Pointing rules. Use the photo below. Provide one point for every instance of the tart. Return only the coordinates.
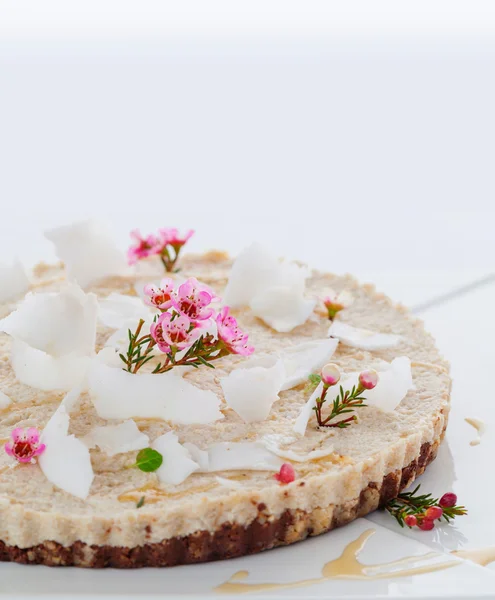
(132, 518)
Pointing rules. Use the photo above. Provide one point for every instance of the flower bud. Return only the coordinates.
(368, 379)
(330, 374)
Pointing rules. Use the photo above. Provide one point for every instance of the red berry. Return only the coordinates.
(411, 521)
(426, 524)
(434, 512)
(447, 500)
(286, 473)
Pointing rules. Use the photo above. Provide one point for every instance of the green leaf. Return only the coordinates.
(314, 379)
(140, 503)
(148, 460)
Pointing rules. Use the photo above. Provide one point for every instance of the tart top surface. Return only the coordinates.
(376, 444)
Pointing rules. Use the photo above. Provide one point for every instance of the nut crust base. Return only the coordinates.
(231, 540)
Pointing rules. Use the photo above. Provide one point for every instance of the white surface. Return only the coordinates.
(355, 136)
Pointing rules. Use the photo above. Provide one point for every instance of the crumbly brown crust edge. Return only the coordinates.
(231, 540)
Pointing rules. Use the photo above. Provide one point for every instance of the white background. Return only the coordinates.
(357, 135)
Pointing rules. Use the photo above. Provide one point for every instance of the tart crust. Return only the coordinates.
(196, 521)
(231, 540)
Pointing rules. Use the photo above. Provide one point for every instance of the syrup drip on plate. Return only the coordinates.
(480, 429)
(347, 566)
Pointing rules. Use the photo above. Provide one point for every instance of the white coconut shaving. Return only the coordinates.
(14, 281)
(88, 252)
(65, 461)
(117, 394)
(249, 456)
(272, 443)
(44, 372)
(58, 323)
(4, 400)
(252, 392)
(115, 439)
(363, 339)
(119, 310)
(199, 456)
(228, 483)
(283, 308)
(177, 463)
(394, 381)
(299, 360)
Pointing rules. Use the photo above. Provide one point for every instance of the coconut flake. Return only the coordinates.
(4, 400)
(307, 410)
(228, 483)
(248, 456)
(13, 281)
(65, 461)
(393, 385)
(283, 307)
(88, 252)
(118, 310)
(117, 394)
(115, 439)
(271, 443)
(44, 372)
(363, 339)
(251, 392)
(177, 462)
(299, 360)
(199, 456)
(56, 323)
(256, 269)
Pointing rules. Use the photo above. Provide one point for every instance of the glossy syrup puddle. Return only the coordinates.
(480, 429)
(347, 566)
(482, 556)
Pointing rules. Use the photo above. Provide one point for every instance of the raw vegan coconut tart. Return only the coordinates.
(164, 409)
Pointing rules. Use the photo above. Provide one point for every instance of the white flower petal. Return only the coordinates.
(13, 281)
(271, 443)
(4, 400)
(56, 323)
(44, 372)
(282, 308)
(363, 339)
(177, 462)
(118, 310)
(114, 439)
(117, 394)
(88, 252)
(393, 385)
(251, 392)
(307, 410)
(249, 456)
(66, 461)
(255, 269)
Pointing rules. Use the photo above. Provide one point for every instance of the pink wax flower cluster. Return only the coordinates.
(167, 244)
(189, 331)
(24, 444)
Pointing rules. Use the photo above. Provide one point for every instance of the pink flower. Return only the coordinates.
(171, 236)
(334, 302)
(25, 444)
(174, 333)
(160, 297)
(143, 247)
(330, 374)
(368, 379)
(231, 335)
(192, 300)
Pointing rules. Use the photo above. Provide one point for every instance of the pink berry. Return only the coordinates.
(447, 500)
(426, 524)
(286, 473)
(411, 521)
(368, 379)
(434, 512)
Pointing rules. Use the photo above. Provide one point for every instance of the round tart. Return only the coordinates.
(132, 519)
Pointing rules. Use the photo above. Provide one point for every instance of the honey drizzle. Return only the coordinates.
(152, 493)
(347, 566)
